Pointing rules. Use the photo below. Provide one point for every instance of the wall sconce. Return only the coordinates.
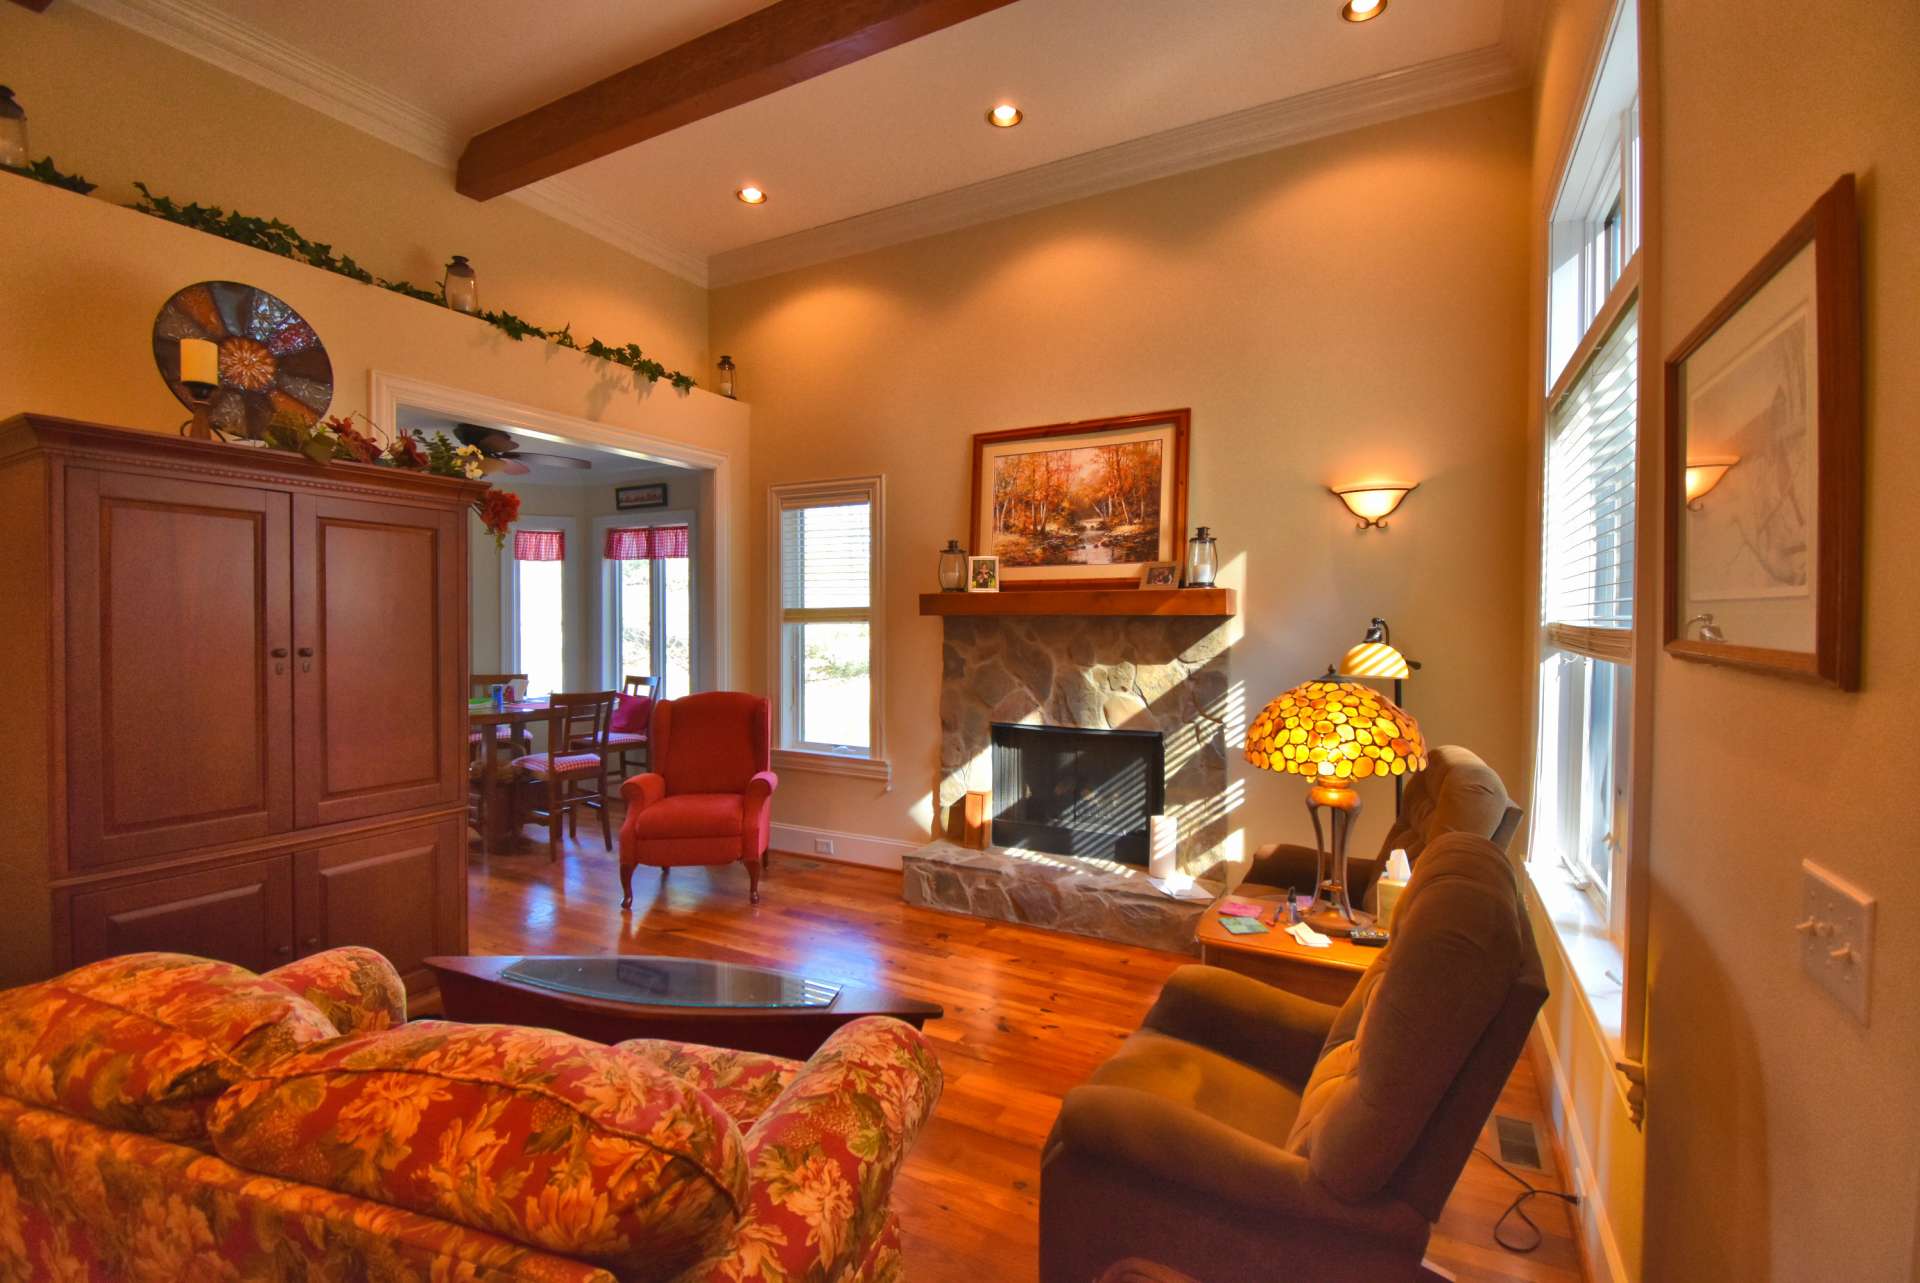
(1374, 504)
(1702, 477)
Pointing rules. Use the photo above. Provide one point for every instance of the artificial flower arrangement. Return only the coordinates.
(357, 439)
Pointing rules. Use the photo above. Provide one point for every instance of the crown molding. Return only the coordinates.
(206, 33)
(1442, 82)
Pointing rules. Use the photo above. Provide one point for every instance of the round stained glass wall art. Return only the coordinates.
(271, 361)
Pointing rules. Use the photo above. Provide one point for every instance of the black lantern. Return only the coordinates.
(953, 567)
(729, 380)
(13, 131)
(460, 287)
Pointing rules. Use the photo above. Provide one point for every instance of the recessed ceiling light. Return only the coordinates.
(1362, 10)
(751, 196)
(1005, 116)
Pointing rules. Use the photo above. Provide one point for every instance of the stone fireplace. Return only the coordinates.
(1164, 676)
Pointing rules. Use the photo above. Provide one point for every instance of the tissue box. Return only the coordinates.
(1388, 889)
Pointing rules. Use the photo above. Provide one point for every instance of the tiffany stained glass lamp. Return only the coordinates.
(1334, 734)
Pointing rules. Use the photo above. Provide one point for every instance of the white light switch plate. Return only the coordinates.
(1836, 936)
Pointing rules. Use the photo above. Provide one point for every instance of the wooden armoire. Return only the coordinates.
(234, 694)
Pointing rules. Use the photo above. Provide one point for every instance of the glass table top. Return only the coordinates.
(672, 982)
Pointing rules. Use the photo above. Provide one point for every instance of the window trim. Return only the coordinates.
(607, 595)
(510, 589)
(873, 763)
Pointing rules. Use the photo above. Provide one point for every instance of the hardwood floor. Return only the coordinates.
(1029, 1014)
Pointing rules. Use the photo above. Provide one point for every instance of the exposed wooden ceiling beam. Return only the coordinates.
(783, 44)
(38, 6)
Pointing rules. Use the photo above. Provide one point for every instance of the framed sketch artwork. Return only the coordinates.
(1763, 466)
(1091, 503)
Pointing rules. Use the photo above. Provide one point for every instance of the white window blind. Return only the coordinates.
(1587, 568)
(826, 554)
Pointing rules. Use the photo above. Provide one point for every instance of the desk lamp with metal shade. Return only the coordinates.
(1334, 734)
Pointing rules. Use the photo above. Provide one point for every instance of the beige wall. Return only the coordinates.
(1782, 1135)
(91, 276)
(1346, 308)
(117, 106)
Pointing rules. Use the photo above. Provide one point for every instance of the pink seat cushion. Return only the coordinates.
(631, 713)
(690, 815)
(564, 764)
(616, 739)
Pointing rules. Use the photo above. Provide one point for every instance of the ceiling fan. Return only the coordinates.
(504, 455)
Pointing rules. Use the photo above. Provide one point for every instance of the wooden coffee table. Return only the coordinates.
(1324, 975)
(475, 991)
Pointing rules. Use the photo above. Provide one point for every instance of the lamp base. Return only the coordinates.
(1330, 921)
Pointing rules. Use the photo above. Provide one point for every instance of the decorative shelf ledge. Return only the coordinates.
(1215, 602)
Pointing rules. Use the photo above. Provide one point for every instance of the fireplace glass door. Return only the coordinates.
(1079, 792)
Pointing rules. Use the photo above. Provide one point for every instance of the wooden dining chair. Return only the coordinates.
(630, 746)
(574, 767)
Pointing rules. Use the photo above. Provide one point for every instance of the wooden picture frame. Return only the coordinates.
(1160, 574)
(983, 574)
(646, 494)
(1741, 545)
(1113, 552)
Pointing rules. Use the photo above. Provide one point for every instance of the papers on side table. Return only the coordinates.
(1179, 886)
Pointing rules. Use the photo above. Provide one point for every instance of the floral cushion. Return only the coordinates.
(743, 1083)
(546, 1139)
(356, 988)
(82, 1204)
(146, 1042)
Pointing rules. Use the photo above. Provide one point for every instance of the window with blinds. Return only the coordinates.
(1587, 549)
(826, 554)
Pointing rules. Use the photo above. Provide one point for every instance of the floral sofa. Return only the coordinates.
(172, 1119)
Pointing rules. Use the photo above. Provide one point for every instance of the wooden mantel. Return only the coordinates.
(1215, 602)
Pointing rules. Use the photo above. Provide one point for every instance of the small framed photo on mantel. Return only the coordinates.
(652, 494)
(983, 574)
(1160, 574)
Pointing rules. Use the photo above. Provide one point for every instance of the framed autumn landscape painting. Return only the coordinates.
(1085, 504)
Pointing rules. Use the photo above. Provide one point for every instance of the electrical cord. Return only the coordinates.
(1519, 1206)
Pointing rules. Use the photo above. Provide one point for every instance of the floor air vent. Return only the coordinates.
(1519, 1142)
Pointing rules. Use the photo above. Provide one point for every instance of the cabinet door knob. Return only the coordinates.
(278, 652)
(282, 950)
(306, 652)
(311, 942)
(306, 659)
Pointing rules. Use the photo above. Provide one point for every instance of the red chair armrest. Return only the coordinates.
(642, 791)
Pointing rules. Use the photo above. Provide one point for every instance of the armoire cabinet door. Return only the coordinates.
(402, 893)
(241, 913)
(179, 687)
(379, 602)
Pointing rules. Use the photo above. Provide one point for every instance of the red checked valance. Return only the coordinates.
(644, 543)
(540, 545)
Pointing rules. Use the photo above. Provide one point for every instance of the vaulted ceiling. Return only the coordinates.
(882, 150)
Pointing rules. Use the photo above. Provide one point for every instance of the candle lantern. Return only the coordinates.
(1203, 559)
(729, 382)
(460, 287)
(13, 131)
(953, 567)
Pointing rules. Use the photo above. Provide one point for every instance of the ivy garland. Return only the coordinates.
(43, 171)
(276, 237)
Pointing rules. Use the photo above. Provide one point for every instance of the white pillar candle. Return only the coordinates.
(199, 361)
(1163, 839)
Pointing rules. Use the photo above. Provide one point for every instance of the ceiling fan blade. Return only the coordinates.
(491, 441)
(539, 460)
(496, 465)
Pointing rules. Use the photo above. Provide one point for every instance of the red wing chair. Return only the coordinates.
(709, 797)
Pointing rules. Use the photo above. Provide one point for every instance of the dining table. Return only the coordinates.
(501, 833)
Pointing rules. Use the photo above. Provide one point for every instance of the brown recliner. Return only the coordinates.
(1457, 793)
(1246, 1134)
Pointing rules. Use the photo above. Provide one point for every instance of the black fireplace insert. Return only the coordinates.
(1071, 791)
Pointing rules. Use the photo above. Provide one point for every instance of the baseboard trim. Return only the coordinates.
(1600, 1258)
(848, 848)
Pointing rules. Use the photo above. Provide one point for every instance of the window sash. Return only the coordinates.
(838, 584)
(1588, 554)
